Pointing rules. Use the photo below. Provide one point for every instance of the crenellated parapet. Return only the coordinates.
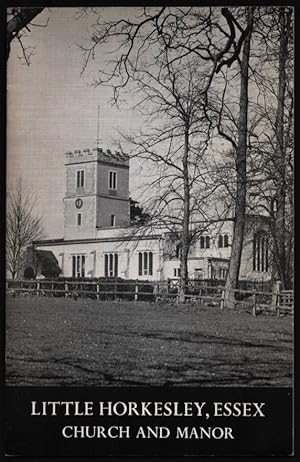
(96, 154)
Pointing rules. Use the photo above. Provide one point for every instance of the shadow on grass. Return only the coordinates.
(60, 344)
(198, 338)
(240, 369)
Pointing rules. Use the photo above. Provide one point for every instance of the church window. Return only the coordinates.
(111, 265)
(78, 266)
(79, 219)
(204, 242)
(112, 180)
(177, 272)
(226, 242)
(178, 250)
(261, 252)
(223, 273)
(113, 220)
(145, 263)
(223, 240)
(80, 179)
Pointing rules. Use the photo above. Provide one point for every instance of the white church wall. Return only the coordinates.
(94, 253)
(147, 254)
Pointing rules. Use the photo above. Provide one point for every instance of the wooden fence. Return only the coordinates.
(257, 301)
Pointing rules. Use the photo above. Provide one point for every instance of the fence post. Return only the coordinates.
(254, 304)
(38, 287)
(66, 289)
(277, 304)
(222, 299)
(179, 290)
(97, 290)
(155, 291)
(200, 294)
(115, 289)
(136, 291)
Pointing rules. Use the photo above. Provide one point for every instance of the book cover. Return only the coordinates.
(149, 231)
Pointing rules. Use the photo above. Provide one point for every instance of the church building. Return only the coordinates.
(99, 240)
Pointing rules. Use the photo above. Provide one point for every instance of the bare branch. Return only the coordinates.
(20, 20)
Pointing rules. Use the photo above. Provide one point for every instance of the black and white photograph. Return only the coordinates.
(150, 222)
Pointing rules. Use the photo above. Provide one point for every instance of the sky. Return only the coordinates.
(52, 109)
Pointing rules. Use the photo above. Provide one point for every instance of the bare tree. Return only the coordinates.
(268, 184)
(22, 227)
(280, 154)
(272, 150)
(175, 144)
(241, 167)
(19, 21)
(213, 38)
(211, 35)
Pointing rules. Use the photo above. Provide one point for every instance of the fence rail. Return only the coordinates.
(258, 301)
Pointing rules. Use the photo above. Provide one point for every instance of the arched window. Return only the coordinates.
(178, 250)
(226, 242)
(220, 241)
(261, 252)
(204, 242)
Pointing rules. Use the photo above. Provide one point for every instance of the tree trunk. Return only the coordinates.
(18, 22)
(185, 241)
(280, 256)
(241, 181)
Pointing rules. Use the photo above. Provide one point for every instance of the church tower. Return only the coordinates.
(97, 192)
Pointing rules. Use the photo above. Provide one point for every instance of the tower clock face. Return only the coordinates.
(78, 203)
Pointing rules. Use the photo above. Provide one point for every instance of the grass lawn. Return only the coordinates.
(57, 341)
